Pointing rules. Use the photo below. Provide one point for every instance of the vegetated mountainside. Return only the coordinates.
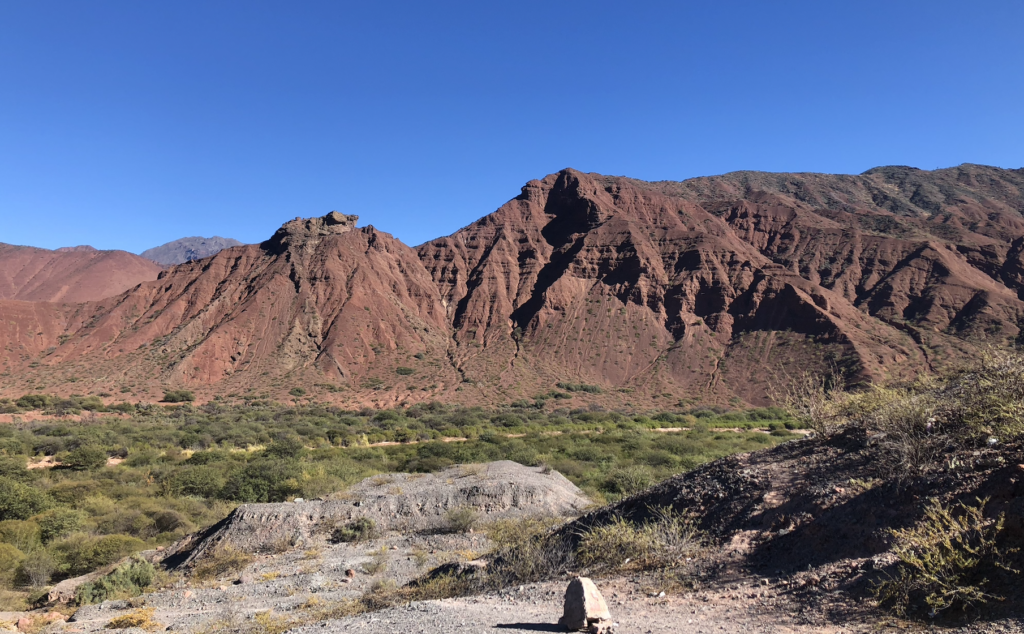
(69, 274)
(188, 249)
(705, 289)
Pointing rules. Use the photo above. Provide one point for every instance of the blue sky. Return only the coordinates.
(129, 124)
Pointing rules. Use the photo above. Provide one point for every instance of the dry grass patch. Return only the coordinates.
(220, 562)
(142, 619)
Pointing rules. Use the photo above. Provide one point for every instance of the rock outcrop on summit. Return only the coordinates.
(706, 289)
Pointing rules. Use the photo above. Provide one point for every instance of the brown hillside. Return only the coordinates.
(319, 302)
(70, 274)
(656, 292)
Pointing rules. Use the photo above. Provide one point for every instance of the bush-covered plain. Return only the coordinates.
(145, 475)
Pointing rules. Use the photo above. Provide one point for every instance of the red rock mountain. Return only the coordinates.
(69, 274)
(663, 292)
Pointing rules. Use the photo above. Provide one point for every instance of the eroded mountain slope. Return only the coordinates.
(74, 274)
(708, 289)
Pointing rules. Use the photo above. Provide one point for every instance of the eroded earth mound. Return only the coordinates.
(410, 504)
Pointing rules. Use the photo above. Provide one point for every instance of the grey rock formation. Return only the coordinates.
(188, 249)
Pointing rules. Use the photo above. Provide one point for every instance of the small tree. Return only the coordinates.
(37, 568)
(85, 457)
(58, 522)
(19, 501)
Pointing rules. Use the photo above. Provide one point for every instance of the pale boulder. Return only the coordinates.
(584, 605)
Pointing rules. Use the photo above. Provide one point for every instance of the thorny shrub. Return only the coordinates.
(358, 530)
(460, 520)
(943, 559)
(378, 561)
(914, 424)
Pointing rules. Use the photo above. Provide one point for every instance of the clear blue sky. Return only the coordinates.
(129, 124)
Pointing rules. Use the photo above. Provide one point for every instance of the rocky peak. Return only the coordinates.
(307, 232)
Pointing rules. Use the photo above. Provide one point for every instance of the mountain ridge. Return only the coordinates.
(69, 274)
(652, 291)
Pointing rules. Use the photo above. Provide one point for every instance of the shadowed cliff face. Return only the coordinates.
(704, 289)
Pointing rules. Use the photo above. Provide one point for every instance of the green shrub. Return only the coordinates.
(85, 457)
(19, 501)
(404, 371)
(92, 404)
(201, 481)
(579, 387)
(943, 559)
(79, 553)
(629, 480)
(58, 522)
(263, 481)
(35, 401)
(297, 392)
(127, 580)
(178, 396)
(10, 560)
(22, 534)
(14, 467)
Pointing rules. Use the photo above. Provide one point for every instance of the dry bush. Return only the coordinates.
(358, 530)
(378, 562)
(913, 425)
(943, 559)
(383, 594)
(460, 520)
(269, 623)
(812, 400)
(421, 557)
(985, 398)
(220, 562)
(142, 619)
(666, 540)
(526, 549)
